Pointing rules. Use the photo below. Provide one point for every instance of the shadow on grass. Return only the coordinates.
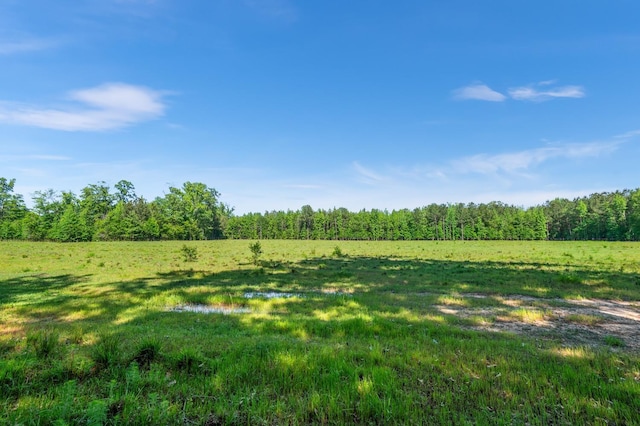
(311, 278)
(41, 287)
(360, 344)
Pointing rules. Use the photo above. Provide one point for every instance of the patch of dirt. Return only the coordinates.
(575, 322)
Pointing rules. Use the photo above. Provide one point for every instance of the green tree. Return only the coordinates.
(191, 212)
(12, 210)
(634, 215)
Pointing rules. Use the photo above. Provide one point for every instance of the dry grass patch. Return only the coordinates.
(584, 319)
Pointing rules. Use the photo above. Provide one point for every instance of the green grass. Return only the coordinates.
(87, 335)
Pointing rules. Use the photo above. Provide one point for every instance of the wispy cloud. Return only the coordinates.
(628, 135)
(537, 92)
(366, 175)
(534, 93)
(480, 92)
(522, 161)
(106, 107)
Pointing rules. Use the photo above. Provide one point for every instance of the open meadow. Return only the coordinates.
(320, 332)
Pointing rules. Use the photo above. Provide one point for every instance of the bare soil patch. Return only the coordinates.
(574, 322)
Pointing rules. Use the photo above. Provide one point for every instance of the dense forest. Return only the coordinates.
(195, 212)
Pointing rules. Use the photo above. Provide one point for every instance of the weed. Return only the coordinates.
(337, 252)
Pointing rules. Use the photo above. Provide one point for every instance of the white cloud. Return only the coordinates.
(519, 162)
(480, 92)
(106, 107)
(532, 93)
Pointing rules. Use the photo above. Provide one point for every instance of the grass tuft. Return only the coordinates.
(614, 341)
(187, 360)
(584, 319)
(569, 279)
(106, 353)
(148, 352)
(45, 343)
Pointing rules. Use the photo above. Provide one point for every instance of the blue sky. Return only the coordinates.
(358, 104)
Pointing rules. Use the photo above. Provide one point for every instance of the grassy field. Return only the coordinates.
(320, 332)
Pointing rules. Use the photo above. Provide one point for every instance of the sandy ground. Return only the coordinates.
(583, 322)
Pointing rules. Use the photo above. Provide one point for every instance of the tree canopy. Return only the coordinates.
(194, 212)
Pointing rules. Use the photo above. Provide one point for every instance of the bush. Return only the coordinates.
(256, 251)
(189, 253)
(337, 252)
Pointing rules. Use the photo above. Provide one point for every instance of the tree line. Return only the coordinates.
(194, 212)
(102, 213)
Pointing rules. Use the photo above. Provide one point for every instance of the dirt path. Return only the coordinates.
(583, 322)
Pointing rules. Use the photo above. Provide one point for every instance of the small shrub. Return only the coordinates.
(189, 253)
(256, 252)
(44, 342)
(337, 252)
